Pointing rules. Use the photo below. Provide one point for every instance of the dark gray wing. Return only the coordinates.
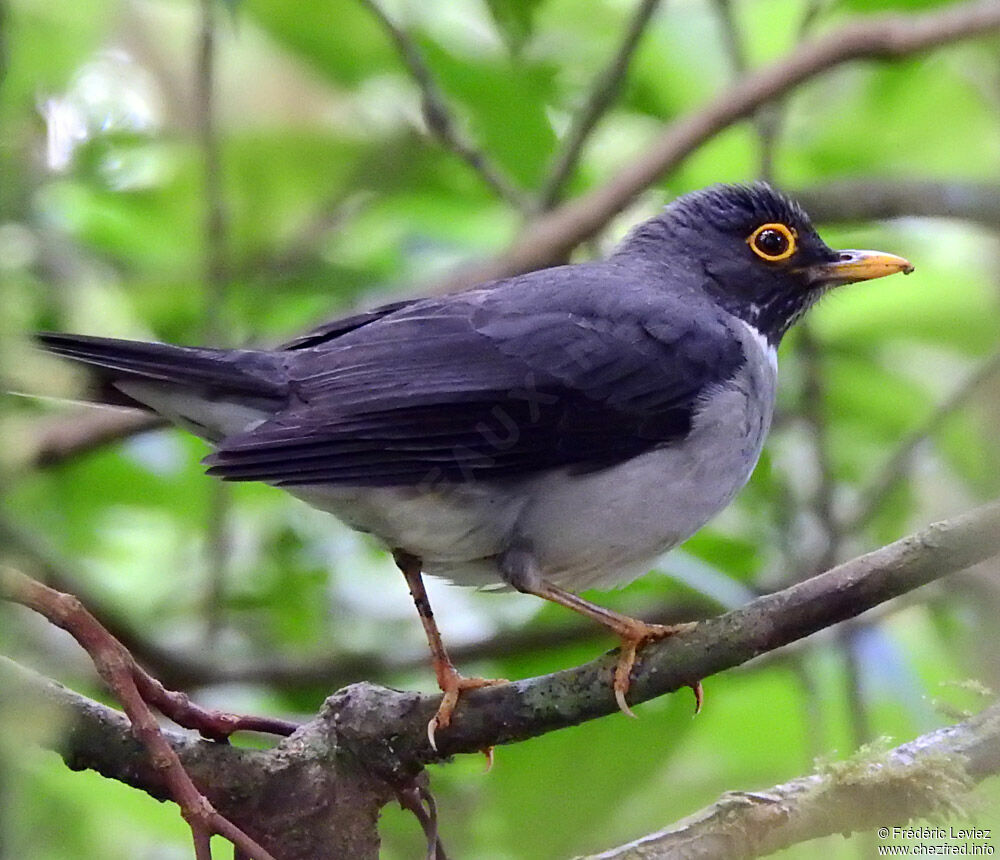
(330, 331)
(491, 384)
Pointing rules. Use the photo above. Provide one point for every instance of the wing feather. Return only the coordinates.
(491, 384)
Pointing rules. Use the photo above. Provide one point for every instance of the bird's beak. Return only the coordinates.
(853, 266)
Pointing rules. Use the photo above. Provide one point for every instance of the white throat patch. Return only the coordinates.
(767, 348)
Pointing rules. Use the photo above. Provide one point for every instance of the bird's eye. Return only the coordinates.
(772, 242)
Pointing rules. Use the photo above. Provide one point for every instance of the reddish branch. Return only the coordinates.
(136, 691)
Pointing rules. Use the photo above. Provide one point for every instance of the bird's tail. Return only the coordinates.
(213, 392)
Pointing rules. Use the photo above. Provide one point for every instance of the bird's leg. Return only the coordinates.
(633, 633)
(521, 572)
(448, 678)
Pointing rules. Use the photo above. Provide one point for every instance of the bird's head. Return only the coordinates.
(756, 251)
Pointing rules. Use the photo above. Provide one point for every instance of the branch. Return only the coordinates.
(922, 778)
(603, 93)
(549, 239)
(438, 115)
(330, 812)
(84, 430)
(135, 690)
(872, 199)
(366, 714)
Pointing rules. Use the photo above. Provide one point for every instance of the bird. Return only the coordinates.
(547, 433)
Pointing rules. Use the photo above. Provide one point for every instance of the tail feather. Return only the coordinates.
(227, 371)
(212, 392)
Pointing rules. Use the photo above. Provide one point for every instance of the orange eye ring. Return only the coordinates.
(773, 242)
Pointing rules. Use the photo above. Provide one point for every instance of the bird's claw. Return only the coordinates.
(699, 696)
(488, 752)
(452, 684)
(632, 641)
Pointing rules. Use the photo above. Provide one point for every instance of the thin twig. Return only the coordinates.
(215, 227)
(813, 410)
(56, 439)
(897, 468)
(3, 44)
(438, 115)
(874, 198)
(216, 277)
(125, 680)
(603, 93)
(216, 553)
(767, 118)
(302, 248)
(812, 707)
(731, 36)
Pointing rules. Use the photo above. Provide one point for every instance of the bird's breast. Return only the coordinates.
(606, 528)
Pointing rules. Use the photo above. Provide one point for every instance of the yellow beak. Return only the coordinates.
(853, 266)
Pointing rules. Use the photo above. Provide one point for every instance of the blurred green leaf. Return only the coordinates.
(340, 40)
(515, 19)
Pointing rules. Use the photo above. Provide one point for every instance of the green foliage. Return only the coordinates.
(515, 19)
(334, 196)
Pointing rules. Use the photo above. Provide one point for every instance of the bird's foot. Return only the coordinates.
(635, 637)
(452, 684)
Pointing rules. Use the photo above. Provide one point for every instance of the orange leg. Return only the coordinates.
(448, 678)
(633, 633)
(522, 574)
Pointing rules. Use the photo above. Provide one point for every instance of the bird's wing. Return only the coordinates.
(486, 385)
(330, 331)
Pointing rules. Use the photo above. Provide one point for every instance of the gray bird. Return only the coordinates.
(551, 432)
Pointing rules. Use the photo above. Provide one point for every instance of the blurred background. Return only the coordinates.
(233, 173)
